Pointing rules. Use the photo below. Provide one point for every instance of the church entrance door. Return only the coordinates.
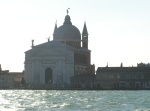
(48, 75)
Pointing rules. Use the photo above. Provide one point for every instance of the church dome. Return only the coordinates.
(67, 32)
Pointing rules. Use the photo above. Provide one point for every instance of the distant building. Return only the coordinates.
(6, 81)
(55, 63)
(18, 77)
(123, 77)
(143, 65)
(9, 80)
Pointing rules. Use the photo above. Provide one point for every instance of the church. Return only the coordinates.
(55, 62)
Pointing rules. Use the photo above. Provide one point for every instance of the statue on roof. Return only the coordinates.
(32, 42)
(68, 11)
(48, 39)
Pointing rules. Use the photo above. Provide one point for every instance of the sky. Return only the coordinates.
(119, 30)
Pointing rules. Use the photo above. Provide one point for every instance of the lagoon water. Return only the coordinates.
(73, 100)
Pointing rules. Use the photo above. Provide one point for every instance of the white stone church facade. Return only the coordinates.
(56, 61)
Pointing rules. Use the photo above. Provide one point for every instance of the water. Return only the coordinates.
(56, 100)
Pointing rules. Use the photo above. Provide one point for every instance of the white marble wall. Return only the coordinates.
(62, 66)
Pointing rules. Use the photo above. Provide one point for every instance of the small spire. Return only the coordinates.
(84, 32)
(107, 64)
(55, 27)
(121, 65)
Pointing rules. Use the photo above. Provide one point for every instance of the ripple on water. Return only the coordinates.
(52, 100)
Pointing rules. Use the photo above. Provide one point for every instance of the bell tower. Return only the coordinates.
(85, 37)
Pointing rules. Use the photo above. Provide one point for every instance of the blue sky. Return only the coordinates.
(119, 30)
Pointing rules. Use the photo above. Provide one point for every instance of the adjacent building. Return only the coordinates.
(123, 77)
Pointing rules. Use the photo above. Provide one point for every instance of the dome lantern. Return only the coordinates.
(67, 20)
